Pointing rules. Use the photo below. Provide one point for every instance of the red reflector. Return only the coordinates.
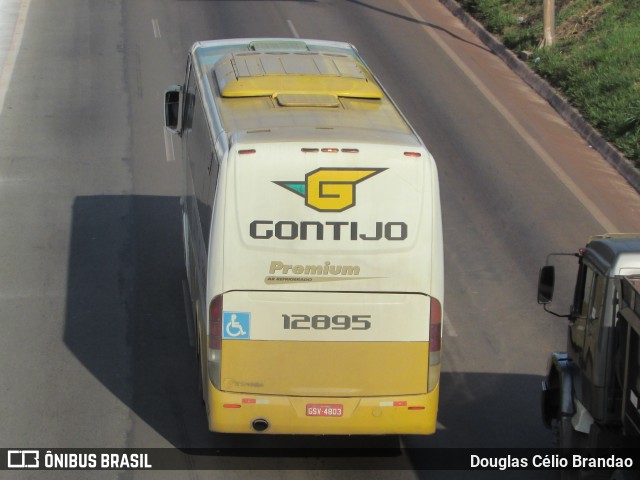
(232, 405)
(400, 404)
(330, 150)
(412, 154)
(310, 150)
(246, 152)
(248, 400)
(416, 407)
(350, 150)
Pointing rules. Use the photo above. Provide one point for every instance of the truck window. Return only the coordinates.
(597, 304)
(582, 302)
(586, 287)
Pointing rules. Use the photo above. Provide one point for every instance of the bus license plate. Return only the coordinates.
(315, 410)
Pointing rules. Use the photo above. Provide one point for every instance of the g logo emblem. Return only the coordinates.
(330, 189)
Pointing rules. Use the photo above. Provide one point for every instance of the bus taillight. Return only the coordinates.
(435, 326)
(214, 352)
(435, 344)
(215, 323)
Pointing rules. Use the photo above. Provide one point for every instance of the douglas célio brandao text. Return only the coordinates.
(549, 461)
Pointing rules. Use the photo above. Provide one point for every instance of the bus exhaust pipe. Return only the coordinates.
(260, 425)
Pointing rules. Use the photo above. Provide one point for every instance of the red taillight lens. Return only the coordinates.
(435, 326)
(435, 344)
(215, 323)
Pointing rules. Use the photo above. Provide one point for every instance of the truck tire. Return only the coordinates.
(566, 436)
(564, 439)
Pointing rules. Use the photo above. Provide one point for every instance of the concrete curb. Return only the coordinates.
(623, 165)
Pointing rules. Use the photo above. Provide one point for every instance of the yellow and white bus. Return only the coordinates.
(313, 242)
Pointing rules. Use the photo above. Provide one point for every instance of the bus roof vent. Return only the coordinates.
(278, 46)
(258, 74)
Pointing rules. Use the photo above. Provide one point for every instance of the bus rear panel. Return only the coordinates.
(313, 241)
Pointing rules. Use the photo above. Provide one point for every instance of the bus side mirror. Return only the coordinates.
(172, 109)
(546, 283)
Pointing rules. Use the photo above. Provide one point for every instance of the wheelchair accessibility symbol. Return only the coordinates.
(236, 325)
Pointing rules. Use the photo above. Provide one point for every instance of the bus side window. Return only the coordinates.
(214, 167)
(200, 153)
(189, 103)
(189, 98)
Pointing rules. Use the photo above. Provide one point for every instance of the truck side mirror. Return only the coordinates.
(546, 283)
(172, 108)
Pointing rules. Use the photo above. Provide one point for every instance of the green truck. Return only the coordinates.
(590, 396)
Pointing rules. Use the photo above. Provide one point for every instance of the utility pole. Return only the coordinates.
(549, 23)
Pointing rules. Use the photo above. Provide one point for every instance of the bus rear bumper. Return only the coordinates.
(272, 414)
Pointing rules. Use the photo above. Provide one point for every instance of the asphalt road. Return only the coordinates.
(94, 350)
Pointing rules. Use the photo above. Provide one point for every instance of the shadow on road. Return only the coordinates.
(125, 322)
(419, 22)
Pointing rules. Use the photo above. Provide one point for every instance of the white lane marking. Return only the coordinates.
(448, 327)
(156, 27)
(12, 54)
(168, 145)
(597, 214)
(293, 29)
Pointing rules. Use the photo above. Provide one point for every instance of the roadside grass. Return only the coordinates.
(595, 61)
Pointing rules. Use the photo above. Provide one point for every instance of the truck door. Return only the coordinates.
(585, 337)
(577, 327)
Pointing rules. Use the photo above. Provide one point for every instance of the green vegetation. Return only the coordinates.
(595, 61)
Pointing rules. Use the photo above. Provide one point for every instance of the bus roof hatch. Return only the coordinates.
(258, 74)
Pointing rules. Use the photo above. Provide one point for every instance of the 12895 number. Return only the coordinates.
(327, 322)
